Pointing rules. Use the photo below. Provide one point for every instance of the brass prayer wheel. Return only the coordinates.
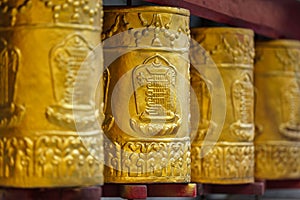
(146, 94)
(229, 158)
(44, 46)
(277, 112)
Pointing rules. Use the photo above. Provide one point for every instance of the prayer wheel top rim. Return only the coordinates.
(280, 43)
(161, 9)
(218, 30)
(277, 55)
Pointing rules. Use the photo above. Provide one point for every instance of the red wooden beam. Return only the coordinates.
(256, 188)
(172, 190)
(271, 18)
(133, 192)
(125, 191)
(90, 193)
(283, 184)
(149, 190)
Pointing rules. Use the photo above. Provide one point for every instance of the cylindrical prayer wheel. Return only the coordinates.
(146, 99)
(229, 157)
(44, 50)
(277, 112)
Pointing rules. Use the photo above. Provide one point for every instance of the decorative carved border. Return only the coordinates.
(277, 160)
(224, 162)
(51, 160)
(154, 27)
(26, 12)
(158, 160)
(277, 57)
(233, 46)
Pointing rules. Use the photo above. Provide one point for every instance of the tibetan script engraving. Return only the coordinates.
(291, 111)
(243, 104)
(155, 97)
(66, 60)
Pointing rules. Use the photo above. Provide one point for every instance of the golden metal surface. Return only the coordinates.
(231, 159)
(43, 44)
(147, 95)
(277, 109)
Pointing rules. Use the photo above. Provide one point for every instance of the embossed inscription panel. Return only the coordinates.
(67, 59)
(155, 98)
(10, 113)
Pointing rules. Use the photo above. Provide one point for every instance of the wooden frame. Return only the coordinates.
(271, 18)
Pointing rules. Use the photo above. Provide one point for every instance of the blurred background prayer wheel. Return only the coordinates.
(146, 94)
(277, 112)
(43, 45)
(228, 159)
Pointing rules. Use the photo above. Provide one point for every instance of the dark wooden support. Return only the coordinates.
(256, 188)
(271, 18)
(125, 191)
(283, 184)
(172, 190)
(149, 190)
(89, 193)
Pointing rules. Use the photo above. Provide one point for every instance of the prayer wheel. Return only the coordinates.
(146, 100)
(44, 53)
(227, 158)
(277, 113)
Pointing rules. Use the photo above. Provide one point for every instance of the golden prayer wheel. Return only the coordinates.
(146, 94)
(44, 46)
(277, 113)
(229, 157)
